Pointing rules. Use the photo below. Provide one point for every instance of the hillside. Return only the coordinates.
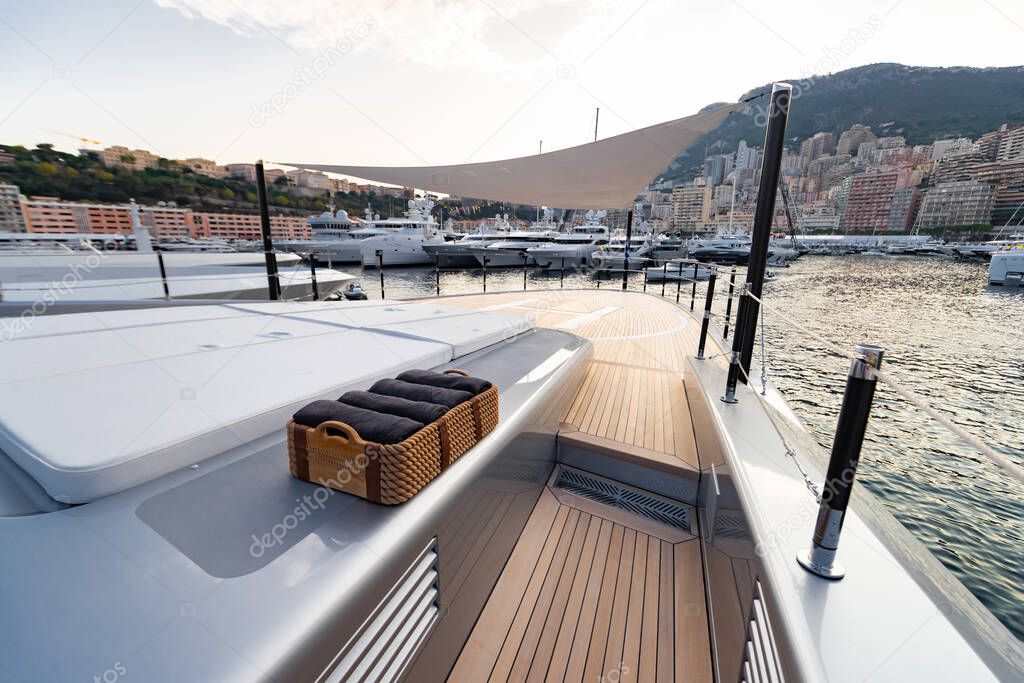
(920, 103)
(82, 177)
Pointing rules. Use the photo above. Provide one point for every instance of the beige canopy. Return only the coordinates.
(607, 174)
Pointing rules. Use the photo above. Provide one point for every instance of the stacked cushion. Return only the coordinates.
(420, 392)
(473, 385)
(371, 426)
(393, 405)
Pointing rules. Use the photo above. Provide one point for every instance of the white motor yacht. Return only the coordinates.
(612, 256)
(1007, 265)
(400, 241)
(330, 237)
(512, 251)
(574, 247)
(459, 253)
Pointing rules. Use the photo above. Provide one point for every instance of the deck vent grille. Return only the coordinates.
(730, 526)
(609, 492)
(388, 640)
(760, 654)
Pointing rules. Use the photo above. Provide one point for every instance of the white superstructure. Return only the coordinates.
(575, 246)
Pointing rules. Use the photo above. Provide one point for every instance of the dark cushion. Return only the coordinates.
(473, 385)
(420, 392)
(414, 410)
(371, 426)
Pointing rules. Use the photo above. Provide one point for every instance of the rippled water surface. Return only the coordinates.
(946, 335)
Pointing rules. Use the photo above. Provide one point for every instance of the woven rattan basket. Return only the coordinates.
(389, 473)
(484, 407)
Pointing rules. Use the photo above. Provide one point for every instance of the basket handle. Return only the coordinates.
(453, 371)
(350, 434)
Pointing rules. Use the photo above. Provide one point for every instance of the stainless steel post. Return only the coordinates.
(842, 465)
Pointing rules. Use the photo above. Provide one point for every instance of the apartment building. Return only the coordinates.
(690, 206)
(966, 202)
(247, 226)
(11, 217)
(122, 157)
(869, 202)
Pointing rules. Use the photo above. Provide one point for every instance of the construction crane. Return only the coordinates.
(88, 141)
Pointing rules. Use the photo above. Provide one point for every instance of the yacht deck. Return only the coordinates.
(632, 405)
(592, 592)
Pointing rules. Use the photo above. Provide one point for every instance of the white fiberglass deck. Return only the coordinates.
(94, 403)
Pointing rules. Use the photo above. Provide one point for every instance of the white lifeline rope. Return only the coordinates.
(911, 397)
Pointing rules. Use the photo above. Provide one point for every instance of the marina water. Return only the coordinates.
(947, 336)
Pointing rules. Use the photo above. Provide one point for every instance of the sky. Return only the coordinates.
(406, 82)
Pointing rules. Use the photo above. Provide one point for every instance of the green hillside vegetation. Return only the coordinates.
(44, 171)
(922, 104)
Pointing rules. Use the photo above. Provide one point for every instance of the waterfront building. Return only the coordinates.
(967, 202)
(903, 210)
(247, 226)
(311, 179)
(818, 145)
(122, 157)
(51, 215)
(165, 221)
(747, 158)
(850, 140)
(11, 217)
(869, 202)
(1008, 179)
(1011, 145)
(941, 148)
(690, 206)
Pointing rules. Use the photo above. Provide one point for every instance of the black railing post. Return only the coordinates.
(561, 276)
(273, 283)
(312, 277)
(525, 258)
(380, 269)
(706, 322)
(485, 274)
(437, 274)
(842, 466)
(693, 292)
(728, 302)
(163, 274)
(679, 282)
(734, 356)
(664, 277)
(645, 280)
(774, 146)
(625, 250)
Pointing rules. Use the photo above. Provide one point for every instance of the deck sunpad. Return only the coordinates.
(187, 383)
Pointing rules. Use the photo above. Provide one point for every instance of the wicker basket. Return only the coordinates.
(382, 473)
(389, 473)
(484, 407)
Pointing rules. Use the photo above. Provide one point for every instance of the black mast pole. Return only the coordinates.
(625, 250)
(273, 284)
(749, 308)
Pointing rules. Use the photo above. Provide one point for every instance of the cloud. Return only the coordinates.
(474, 34)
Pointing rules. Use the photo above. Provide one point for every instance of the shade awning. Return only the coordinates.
(606, 174)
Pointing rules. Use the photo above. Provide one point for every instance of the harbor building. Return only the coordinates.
(966, 202)
(690, 207)
(166, 221)
(869, 202)
(1011, 145)
(11, 217)
(247, 226)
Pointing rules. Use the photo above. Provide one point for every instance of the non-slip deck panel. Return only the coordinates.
(588, 595)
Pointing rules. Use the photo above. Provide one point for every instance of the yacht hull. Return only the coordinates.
(1007, 268)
